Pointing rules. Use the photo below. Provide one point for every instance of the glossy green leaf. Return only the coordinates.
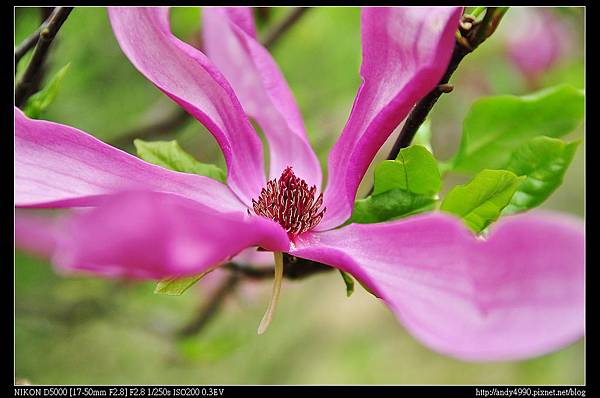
(414, 170)
(177, 286)
(543, 161)
(170, 155)
(349, 282)
(392, 204)
(480, 202)
(38, 102)
(496, 126)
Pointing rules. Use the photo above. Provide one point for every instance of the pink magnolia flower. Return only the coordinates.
(536, 39)
(516, 294)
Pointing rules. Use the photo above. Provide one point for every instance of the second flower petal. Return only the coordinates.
(230, 41)
(187, 76)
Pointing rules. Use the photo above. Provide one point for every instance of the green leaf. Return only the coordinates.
(349, 283)
(38, 102)
(177, 286)
(544, 162)
(480, 202)
(496, 126)
(392, 204)
(170, 155)
(414, 170)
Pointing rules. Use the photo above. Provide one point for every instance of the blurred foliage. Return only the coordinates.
(84, 330)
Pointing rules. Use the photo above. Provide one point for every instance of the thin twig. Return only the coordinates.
(32, 39)
(276, 32)
(210, 307)
(27, 45)
(294, 268)
(45, 13)
(475, 35)
(262, 15)
(24, 87)
(419, 113)
(179, 117)
(173, 121)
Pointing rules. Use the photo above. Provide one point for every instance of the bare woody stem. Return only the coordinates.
(276, 32)
(32, 39)
(27, 45)
(472, 35)
(211, 306)
(24, 88)
(294, 268)
(179, 117)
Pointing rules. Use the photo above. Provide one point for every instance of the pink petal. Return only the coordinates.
(60, 166)
(230, 42)
(35, 233)
(405, 53)
(150, 235)
(520, 293)
(190, 79)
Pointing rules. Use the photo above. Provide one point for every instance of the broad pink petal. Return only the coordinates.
(190, 79)
(36, 233)
(520, 293)
(405, 53)
(149, 235)
(230, 42)
(60, 166)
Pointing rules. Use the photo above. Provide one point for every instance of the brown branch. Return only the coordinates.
(27, 45)
(276, 32)
(32, 39)
(262, 15)
(294, 268)
(473, 34)
(210, 307)
(179, 117)
(25, 86)
(173, 121)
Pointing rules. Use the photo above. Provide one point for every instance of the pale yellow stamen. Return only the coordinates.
(266, 320)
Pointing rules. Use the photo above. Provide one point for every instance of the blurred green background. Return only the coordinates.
(86, 330)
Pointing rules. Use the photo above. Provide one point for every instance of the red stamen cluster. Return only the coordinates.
(291, 203)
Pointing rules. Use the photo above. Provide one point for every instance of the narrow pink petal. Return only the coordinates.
(150, 235)
(60, 166)
(36, 233)
(230, 42)
(190, 79)
(405, 53)
(518, 294)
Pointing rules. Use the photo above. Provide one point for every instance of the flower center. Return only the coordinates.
(291, 203)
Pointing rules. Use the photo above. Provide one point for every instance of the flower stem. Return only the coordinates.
(23, 89)
(266, 320)
(468, 42)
